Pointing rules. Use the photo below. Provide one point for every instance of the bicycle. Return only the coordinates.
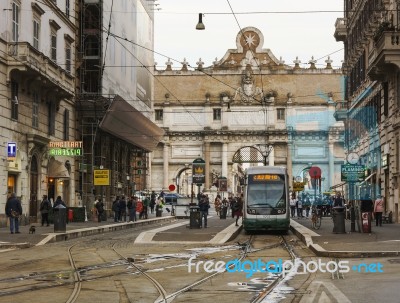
(316, 218)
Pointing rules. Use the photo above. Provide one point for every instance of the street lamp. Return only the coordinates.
(265, 150)
(200, 25)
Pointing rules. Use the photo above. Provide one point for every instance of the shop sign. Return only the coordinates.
(352, 173)
(11, 151)
(65, 148)
(101, 177)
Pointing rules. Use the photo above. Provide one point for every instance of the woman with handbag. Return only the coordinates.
(13, 211)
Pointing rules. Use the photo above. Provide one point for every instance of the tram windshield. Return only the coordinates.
(266, 193)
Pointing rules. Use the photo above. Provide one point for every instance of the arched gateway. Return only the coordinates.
(243, 102)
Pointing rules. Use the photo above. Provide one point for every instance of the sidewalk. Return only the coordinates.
(381, 242)
(46, 234)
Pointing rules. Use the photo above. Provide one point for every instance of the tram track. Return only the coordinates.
(92, 261)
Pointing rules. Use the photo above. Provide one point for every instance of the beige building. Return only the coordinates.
(37, 82)
(369, 31)
(248, 99)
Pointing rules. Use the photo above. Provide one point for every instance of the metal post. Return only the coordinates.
(352, 217)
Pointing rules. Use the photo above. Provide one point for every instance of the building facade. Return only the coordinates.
(37, 91)
(247, 99)
(372, 99)
(76, 100)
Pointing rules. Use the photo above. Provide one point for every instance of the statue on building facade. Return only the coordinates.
(248, 92)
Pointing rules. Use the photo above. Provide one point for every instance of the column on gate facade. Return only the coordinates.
(165, 165)
(224, 171)
(271, 157)
(207, 159)
(289, 163)
(331, 160)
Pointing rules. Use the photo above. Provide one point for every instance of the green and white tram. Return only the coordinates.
(266, 199)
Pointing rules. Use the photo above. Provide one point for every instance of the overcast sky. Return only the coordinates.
(290, 27)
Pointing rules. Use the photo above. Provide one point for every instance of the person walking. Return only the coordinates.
(238, 208)
(122, 210)
(217, 204)
(378, 210)
(153, 201)
(59, 201)
(13, 211)
(204, 205)
(146, 203)
(132, 203)
(115, 208)
(45, 207)
(299, 209)
(100, 210)
(293, 202)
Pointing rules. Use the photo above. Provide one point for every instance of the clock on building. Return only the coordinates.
(353, 158)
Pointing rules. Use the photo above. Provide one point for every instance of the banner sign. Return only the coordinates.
(199, 171)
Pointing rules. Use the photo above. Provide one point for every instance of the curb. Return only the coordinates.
(305, 235)
(73, 234)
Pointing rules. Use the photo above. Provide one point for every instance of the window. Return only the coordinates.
(66, 125)
(53, 54)
(36, 31)
(280, 114)
(52, 118)
(67, 5)
(14, 100)
(68, 58)
(216, 114)
(159, 114)
(35, 110)
(15, 22)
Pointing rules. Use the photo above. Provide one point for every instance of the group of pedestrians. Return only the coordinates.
(13, 210)
(126, 211)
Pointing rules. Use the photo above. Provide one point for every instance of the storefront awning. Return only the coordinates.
(127, 123)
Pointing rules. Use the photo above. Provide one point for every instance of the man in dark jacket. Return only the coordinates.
(204, 205)
(13, 210)
(44, 210)
(59, 201)
(122, 210)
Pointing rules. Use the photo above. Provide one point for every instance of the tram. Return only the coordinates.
(266, 199)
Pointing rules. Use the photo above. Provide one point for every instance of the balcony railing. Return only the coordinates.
(26, 58)
(340, 29)
(340, 111)
(387, 51)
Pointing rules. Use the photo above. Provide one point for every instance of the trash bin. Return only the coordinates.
(159, 212)
(60, 219)
(70, 215)
(223, 212)
(195, 220)
(338, 215)
(366, 222)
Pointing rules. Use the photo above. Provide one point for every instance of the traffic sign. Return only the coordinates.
(171, 187)
(315, 172)
(101, 177)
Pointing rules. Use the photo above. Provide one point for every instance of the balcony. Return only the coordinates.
(385, 55)
(340, 29)
(32, 66)
(340, 113)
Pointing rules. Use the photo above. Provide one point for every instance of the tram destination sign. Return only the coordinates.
(353, 173)
(65, 148)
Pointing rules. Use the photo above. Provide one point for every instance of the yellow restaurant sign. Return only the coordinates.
(101, 177)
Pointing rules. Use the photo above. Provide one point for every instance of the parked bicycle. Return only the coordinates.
(316, 217)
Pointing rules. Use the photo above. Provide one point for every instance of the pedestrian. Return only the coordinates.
(58, 202)
(238, 208)
(100, 209)
(132, 203)
(115, 208)
(299, 209)
(378, 210)
(122, 210)
(13, 211)
(45, 207)
(338, 201)
(217, 204)
(293, 202)
(139, 208)
(204, 205)
(152, 201)
(232, 201)
(146, 203)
